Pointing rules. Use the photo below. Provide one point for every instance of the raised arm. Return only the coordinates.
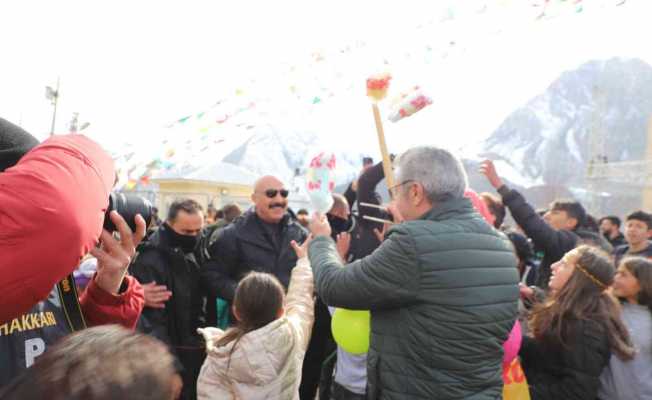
(543, 236)
(386, 278)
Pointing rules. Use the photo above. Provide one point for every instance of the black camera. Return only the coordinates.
(128, 206)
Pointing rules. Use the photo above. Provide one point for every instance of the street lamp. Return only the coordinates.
(53, 96)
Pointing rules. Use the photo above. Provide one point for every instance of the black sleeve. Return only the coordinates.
(145, 268)
(217, 274)
(367, 191)
(350, 196)
(543, 236)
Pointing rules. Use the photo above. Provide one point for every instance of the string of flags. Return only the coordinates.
(326, 76)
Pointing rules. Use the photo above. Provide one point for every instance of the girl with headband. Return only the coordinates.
(576, 330)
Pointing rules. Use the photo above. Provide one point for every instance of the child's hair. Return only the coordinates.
(641, 268)
(257, 300)
(583, 298)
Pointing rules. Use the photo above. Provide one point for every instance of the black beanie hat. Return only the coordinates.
(15, 142)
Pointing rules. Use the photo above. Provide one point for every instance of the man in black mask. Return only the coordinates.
(167, 267)
(339, 216)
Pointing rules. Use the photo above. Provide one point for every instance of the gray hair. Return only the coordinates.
(442, 175)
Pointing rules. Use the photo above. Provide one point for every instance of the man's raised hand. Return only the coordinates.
(488, 169)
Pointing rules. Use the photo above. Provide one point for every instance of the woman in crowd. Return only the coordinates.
(632, 380)
(261, 357)
(575, 331)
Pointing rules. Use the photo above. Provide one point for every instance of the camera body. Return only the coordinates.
(128, 206)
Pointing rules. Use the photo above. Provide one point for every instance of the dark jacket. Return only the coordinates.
(246, 246)
(443, 295)
(617, 241)
(363, 238)
(571, 373)
(177, 323)
(623, 251)
(158, 261)
(554, 243)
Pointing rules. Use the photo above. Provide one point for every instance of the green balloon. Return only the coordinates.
(351, 330)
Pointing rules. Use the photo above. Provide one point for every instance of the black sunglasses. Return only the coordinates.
(271, 193)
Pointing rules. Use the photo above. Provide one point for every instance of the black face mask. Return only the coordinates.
(186, 243)
(338, 225)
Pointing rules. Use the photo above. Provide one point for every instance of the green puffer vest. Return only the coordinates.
(443, 294)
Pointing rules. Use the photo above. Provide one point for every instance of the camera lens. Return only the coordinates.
(128, 206)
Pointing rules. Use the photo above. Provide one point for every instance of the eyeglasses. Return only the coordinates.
(271, 193)
(393, 188)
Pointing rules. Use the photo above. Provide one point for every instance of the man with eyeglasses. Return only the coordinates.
(259, 240)
(442, 287)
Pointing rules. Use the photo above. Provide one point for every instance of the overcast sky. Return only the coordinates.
(131, 67)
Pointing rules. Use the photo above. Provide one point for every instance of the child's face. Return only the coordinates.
(636, 231)
(562, 270)
(625, 284)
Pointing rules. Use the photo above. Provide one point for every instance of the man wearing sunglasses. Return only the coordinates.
(259, 240)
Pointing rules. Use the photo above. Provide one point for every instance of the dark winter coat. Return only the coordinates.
(571, 373)
(363, 238)
(623, 251)
(617, 241)
(554, 243)
(158, 261)
(443, 294)
(246, 246)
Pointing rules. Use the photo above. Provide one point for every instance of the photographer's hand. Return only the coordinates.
(113, 257)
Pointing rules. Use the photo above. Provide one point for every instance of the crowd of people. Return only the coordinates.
(237, 304)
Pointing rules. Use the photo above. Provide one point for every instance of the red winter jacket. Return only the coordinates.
(52, 206)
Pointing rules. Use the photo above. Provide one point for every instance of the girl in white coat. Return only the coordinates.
(261, 357)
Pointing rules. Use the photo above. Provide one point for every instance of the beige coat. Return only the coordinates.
(266, 363)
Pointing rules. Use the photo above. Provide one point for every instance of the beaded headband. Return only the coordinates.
(590, 276)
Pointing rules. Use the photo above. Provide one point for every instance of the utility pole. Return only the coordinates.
(53, 96)
(597, 151)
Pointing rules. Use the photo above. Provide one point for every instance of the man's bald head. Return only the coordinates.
(340, 206)
(263, 183)
(270, 198)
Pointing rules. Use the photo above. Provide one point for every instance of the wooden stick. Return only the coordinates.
(373, 206)
(382, 221)
(387, 163)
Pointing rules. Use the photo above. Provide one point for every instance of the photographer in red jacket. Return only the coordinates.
(54, 201)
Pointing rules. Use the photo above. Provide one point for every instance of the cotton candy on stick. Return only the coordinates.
(409, 103)
(377, 86)
(320, 181)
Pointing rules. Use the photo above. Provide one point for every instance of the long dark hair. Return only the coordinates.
(641, 268)
(258, 299)
(583, 298)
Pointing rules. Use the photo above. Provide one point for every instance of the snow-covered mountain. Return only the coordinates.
(287, 154)
(545, 143)
(548, 140)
